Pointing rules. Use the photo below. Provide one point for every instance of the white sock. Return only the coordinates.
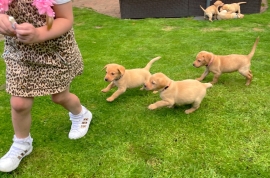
(28, 139)
(78, 116)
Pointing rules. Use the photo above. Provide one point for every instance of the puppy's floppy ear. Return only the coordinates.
(159, 79)
(201, 55)
(121, 69)
(162, 82)
(208, 56)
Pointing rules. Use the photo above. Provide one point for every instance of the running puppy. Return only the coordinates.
(231, 8)
(118, 76)
(218, 64)
(177, 92)
(210, 11)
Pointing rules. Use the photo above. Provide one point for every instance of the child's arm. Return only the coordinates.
(63, 22)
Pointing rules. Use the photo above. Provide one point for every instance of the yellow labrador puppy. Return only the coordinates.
(211, 11)
(118, 76)
(224, 15)
(218, 64)
(231, 8)
(177, 92)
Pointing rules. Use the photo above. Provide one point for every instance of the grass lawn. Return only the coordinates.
(228, 136)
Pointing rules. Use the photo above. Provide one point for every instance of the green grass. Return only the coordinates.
(227, 137)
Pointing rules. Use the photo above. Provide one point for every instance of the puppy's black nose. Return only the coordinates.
(106, 80)
(193, 65)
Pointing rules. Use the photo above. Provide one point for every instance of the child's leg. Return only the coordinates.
(68, 100)
(79, 115)
(22, 141)
(21, 115)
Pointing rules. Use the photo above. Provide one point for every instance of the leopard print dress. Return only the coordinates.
(42, 68)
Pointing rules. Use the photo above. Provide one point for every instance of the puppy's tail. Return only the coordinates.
(208, 85)
(148, 66)
(250, 55)
(202, 8)
(241, 3)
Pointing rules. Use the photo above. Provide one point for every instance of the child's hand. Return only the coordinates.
(6, 26)
(26, 33)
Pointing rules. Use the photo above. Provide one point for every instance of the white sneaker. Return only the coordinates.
(80, 125)
(13, 157)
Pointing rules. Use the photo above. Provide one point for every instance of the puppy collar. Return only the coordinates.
(166, 86)
(119, 78)
(212, 59)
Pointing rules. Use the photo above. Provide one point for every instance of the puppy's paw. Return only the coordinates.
(104, 90)
(188, 111)
(152, 107)
(248, 83)
(110, 99)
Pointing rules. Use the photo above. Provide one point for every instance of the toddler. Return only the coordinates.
(42, 58)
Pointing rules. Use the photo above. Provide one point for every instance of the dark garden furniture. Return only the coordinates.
(136, 9)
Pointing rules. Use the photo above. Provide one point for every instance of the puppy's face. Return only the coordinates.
(156, 82)
(202, 59)
(113, 72)
(218, 3)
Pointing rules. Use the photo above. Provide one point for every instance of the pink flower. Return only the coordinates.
(4, 5)
(44, 7)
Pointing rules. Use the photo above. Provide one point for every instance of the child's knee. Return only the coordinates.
(21, 104)
(58, 99)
